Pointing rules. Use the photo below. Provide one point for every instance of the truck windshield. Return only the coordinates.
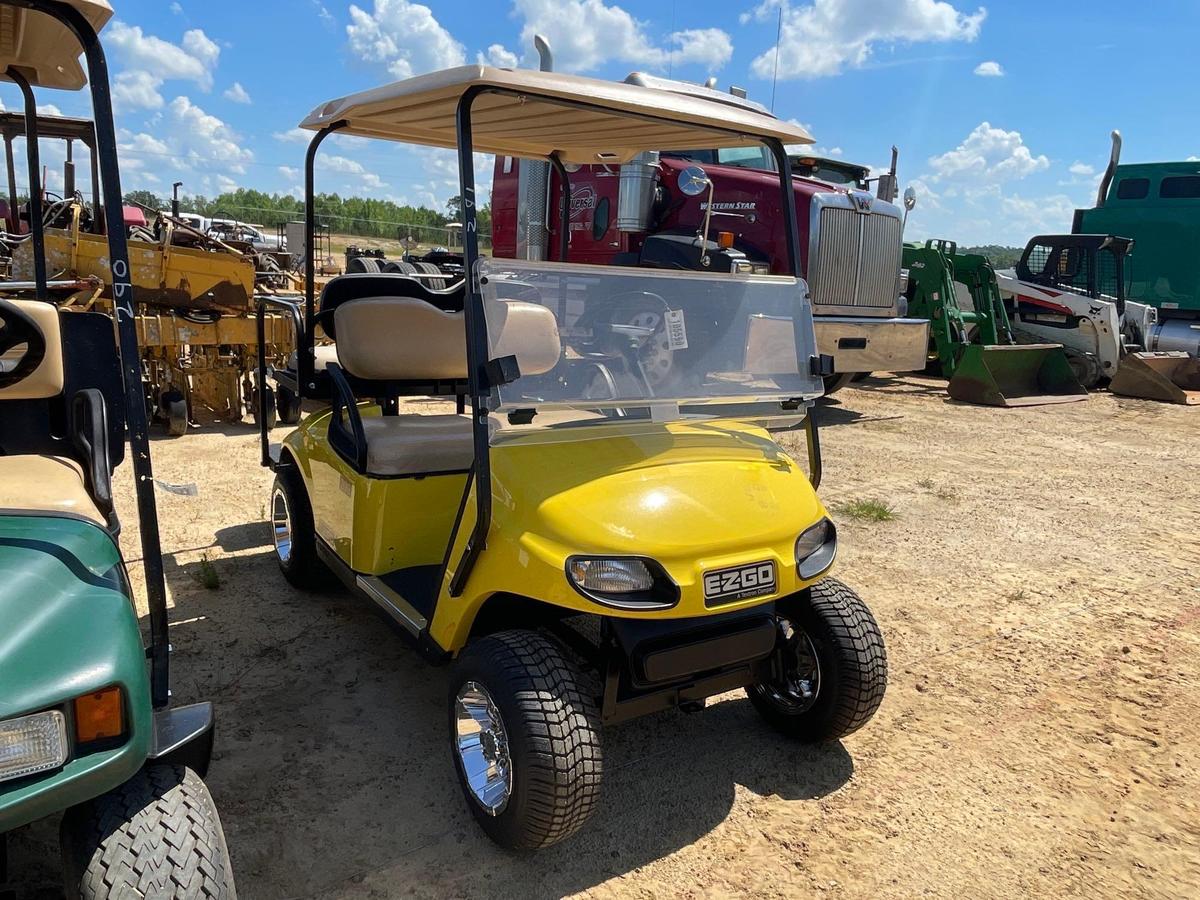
(601, 337)
(757, 157)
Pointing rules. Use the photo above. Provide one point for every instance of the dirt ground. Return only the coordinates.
(1039, 592)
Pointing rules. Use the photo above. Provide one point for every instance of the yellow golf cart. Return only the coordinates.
(587, 543)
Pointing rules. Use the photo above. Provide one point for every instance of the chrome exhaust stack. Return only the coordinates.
(533, 186)
(1114, 159)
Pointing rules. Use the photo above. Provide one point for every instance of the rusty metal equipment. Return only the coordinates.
(1169, 376)
(193, 293)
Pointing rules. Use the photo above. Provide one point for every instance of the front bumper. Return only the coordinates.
(861, 344)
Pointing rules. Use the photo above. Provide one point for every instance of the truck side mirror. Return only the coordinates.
(910, 198)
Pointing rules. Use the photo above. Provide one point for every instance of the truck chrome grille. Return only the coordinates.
(855, 260)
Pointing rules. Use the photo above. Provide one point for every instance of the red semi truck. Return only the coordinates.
(650, 212)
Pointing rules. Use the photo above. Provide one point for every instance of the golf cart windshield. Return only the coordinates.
(621, 338)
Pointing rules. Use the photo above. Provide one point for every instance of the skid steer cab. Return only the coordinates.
(585, 540)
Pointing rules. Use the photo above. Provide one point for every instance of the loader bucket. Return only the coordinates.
(1015, 375)
(1172, 377)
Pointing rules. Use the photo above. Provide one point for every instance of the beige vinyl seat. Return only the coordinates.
(405, 338)
(34, 482)
(45, 484)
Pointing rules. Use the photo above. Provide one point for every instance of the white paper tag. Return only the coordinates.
(183, 490)
(676, 332)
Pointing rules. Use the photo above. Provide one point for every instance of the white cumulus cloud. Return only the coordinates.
(989, 69)
(1083, 170)
(500, 56)
(403, 37)
(827, 36)
(237, 93)
(193, 61)
(137, 89)
(988, 155)
(585, 34)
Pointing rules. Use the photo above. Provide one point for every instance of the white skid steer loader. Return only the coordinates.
(1070, 289)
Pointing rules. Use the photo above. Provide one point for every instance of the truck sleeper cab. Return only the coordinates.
(605, 540)
(850, 241)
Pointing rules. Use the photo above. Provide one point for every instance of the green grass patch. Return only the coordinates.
(866, 510)
(206, 574)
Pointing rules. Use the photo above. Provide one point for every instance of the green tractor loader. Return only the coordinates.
(974, 348)
(87, 728)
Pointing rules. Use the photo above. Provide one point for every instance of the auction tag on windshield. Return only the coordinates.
(676, 332)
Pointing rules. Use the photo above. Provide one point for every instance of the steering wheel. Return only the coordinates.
(18, 330)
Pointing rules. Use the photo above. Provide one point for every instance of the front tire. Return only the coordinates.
(833, 666)
(525, 737)
(157, 835)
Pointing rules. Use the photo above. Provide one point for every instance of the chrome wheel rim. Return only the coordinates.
(482, 747)
(281, 525)
(800, 686)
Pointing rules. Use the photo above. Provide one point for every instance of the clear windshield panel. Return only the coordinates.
(614, 338)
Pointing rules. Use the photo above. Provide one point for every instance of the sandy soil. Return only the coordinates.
(1039, 591)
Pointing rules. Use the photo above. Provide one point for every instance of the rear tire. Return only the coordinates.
(287, 405)
(177, 417)
(157, 835)
(547, 739)
(293, 533)
(830, 625)
(272, 412)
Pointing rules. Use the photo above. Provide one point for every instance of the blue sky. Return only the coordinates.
(1001, 112)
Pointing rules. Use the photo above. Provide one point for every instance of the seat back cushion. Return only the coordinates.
(365, 285)
(47, 379)
(402, 338)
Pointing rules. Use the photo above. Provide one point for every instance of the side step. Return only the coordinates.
(392, 603)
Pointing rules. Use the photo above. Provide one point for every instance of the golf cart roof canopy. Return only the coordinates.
(529, 114)
(42, 49)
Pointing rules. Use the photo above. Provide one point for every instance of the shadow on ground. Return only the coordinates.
(332, 769)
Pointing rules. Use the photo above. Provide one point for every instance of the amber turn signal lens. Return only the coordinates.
(99, 716)
(725, 239)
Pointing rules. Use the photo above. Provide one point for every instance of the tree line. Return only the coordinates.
(362, 216)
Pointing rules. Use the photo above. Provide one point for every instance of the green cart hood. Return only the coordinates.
(67, 627)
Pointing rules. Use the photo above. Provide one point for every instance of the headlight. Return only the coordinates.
(623, 582)
(815, 549)
(611, 576)
(746, 267)
(31, 744)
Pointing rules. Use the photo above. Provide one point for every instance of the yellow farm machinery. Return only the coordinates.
(193, 292)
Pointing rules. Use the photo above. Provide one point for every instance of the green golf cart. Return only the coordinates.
(86, 725)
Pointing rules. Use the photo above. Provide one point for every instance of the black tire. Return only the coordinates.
(552, 726)
(834, 383)
(300, 564)
(177, 417)
(849, 651)
(157, 835)
(272, 412)
(287, 405)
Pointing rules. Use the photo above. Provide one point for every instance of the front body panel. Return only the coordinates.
(692, 497)
(67, 627)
